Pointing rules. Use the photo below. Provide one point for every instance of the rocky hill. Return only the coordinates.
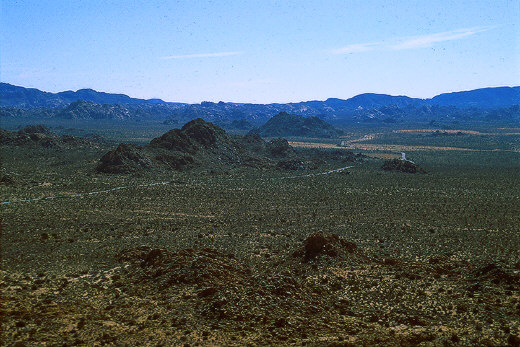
(284, 124)
(41, 136)
(197, 143)
(402, 166)
(202, 144)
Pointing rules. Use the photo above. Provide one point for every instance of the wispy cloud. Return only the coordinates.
(357, 48)
(201, 55)
(429, 40)
(403, 43)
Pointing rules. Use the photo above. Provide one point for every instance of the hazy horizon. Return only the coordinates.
(260, 52)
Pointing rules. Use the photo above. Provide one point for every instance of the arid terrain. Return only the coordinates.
(221, 253)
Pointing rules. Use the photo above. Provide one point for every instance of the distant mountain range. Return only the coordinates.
(500, 103)
(21, 97)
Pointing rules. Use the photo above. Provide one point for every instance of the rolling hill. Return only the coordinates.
(284, 124)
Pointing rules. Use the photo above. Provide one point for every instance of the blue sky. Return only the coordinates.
(260, 51)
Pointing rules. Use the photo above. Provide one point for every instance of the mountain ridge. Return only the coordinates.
(17, 96)
(504, 96)
(488, 104)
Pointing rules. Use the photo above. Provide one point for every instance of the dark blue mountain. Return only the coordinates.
(474, 104)
(100, 97)
(483, 98)
(14, 96)
(21, 97)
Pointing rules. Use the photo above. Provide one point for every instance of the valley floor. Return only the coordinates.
(240, 256)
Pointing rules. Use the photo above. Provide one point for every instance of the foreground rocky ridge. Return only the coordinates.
(327, 292)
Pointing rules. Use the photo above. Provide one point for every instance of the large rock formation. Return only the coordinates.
(284, 124)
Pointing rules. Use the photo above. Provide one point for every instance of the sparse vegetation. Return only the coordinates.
(237, 254)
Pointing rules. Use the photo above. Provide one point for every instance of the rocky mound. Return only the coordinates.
(192, 137)
(203, 267)
(38, 135)
(125, 158)
(254, 143)
(280, 148)
(36, 129)
(319, 244)
(42, 136)
(197, 143)
(284, 124)
(496, 274)
(277, 148)
(402, 166)
(202, 144)
(7, 180)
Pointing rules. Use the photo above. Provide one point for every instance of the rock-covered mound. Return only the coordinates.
(192, 137)
(319, 244)
(203, 267)
(41, 136)
(196, 144)
(402, 166)
(275, 148)
(284, 124)
(125, 158)
(202, 144)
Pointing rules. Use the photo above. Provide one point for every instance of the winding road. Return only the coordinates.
(158, 184)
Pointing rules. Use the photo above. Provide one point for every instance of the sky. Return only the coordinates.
(260, 51)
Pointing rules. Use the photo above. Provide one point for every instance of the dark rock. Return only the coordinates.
(124, 159)
(325, 244)
(513, 340)
(186, 266)
(175, 140)
(204, 133)
(253, 142)
(207, 292)
(401, 166)
(7, 180)
(280, 148)
(497, 275)
(175, 161)
(36, 129)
